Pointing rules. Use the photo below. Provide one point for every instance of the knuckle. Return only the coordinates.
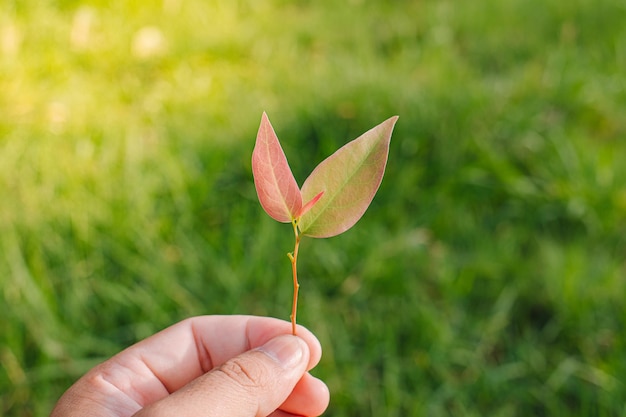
(244, 374)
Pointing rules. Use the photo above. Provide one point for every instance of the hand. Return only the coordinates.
(210, 366)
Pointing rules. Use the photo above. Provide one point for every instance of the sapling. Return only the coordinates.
(332, 199)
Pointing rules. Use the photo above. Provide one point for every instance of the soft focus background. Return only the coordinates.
(487, 278)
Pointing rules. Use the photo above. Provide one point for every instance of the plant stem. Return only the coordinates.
(293, 257)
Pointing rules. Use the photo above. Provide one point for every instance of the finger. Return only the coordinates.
(310, 397)
(227, 336)
(254, 383)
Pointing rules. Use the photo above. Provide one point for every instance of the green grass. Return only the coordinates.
(488, 276)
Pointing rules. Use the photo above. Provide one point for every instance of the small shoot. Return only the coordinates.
(332, 199)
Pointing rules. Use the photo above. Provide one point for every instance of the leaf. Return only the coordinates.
(275, 184)
(308, 206)
(349, 179)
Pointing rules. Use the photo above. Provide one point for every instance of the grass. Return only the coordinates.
(487, 278)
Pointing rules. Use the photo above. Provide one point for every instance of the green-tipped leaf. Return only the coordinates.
(349, 179)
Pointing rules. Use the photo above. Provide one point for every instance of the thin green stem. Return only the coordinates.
(293, 257)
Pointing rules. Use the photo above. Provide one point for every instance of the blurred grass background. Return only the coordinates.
(487, 278)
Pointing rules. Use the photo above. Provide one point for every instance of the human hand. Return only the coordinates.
(210, 366)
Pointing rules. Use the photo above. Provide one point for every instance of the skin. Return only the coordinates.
(209, 366)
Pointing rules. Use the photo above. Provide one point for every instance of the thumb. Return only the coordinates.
(253, 384)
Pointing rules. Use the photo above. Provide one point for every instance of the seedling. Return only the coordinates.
(332, 199)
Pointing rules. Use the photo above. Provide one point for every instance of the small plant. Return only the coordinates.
(332, 199)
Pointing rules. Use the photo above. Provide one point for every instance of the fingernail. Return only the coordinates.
(287, 350)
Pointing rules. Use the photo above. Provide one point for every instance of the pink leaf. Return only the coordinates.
(349, 179)
(276, 187)
(308, 206)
